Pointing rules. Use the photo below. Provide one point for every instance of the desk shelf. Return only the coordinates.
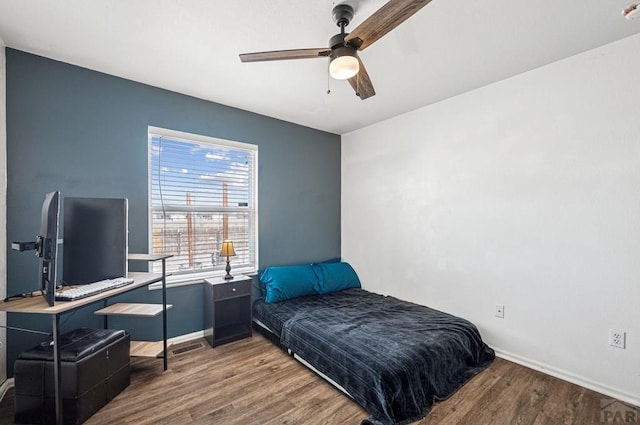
(132, 309)
(138, 348)
(147, 349)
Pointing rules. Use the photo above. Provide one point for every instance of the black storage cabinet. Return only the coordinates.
(95, 366)
(227, 310)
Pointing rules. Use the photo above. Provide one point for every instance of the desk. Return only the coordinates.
(38, 305)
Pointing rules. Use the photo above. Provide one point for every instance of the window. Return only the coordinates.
(202, 191)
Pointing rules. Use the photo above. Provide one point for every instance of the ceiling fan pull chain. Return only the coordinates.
(328, 79)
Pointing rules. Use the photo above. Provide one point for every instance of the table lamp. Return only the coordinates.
(227, 251)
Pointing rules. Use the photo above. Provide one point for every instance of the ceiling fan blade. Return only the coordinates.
(285, 54)
(361, 83)
(385, 19)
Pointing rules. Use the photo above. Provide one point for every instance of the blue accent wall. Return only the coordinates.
(85, 133)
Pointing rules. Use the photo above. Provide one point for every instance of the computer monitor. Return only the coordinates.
(48, 245)
(95, 239)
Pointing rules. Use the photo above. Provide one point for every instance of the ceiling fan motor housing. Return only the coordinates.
(337, 40)
(340, 48)
(343, 51)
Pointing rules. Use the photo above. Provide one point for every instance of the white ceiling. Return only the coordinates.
(192, 47)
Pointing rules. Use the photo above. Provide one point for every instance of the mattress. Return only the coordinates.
(393, 357)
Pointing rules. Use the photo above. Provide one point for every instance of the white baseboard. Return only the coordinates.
(186, 337)
(6, 386)
(569, 377)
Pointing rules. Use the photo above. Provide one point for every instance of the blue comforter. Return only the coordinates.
(393, 357)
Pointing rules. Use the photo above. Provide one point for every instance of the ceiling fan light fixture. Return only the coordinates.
(344, 63)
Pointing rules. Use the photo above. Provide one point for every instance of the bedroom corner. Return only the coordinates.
(3, 217)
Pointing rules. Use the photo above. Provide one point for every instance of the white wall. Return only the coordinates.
(524, 193)
(3, 211)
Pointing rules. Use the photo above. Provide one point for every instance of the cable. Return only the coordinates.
(13, 328)
(18, 296)
(164, 214)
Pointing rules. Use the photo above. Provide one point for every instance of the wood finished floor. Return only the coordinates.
(253, 382)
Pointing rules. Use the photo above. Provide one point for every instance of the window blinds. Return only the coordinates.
(202, 193)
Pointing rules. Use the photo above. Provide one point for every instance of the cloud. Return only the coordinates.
(240, 166)
(155, 149)
(232, 178)
(216, 156)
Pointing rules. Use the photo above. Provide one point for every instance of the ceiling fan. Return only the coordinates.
(343, 47)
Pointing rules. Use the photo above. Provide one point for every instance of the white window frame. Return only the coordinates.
(199, 277)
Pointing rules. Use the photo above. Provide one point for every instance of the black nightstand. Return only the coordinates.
(227, 309)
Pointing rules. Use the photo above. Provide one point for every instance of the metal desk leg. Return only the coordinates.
(57, 376)
(105, 324)
(164, 312)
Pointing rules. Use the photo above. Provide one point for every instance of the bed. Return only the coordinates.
(393, 357)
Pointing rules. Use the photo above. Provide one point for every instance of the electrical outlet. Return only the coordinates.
(500, 311)
(617, 338)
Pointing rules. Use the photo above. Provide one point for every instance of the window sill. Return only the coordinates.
(174, 281)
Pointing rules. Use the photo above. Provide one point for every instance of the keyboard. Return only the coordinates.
(83, 291)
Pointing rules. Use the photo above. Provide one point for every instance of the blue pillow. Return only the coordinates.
(286, 282)
(333, 277)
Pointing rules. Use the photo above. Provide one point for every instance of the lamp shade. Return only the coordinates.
(227, 249)
(344, 63)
